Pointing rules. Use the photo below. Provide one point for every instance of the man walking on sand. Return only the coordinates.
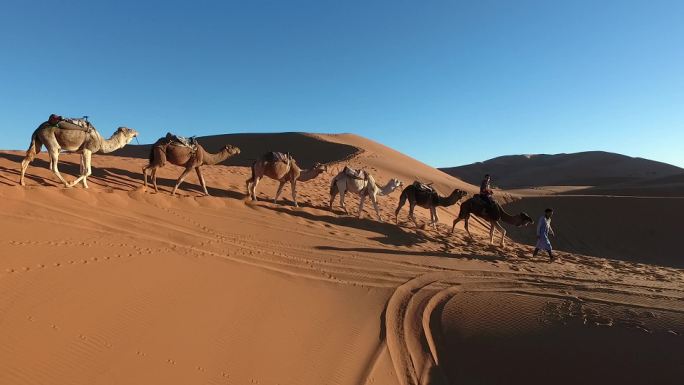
(543, 230)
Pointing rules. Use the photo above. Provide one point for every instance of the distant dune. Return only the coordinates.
(663, 186)
(639, 229)
(594, 168)
(306, 148)
(323, 148)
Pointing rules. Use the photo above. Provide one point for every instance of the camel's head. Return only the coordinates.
(395, 183)
(127, 133)
(458, 193)
(232, 150)
(525, 220)
(320, 168)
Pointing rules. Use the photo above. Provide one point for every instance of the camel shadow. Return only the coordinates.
(390, 234)
(111, 178)
(130, 180)
(64, 167)
(441, 254)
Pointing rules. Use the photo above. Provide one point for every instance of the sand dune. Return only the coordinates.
(593, 168)
(666, 186)
(638, 229)
(306, 148)
(113, 285)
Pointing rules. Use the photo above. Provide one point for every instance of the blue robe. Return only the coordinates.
(543, 229)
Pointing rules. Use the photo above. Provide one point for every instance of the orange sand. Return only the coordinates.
(113, 285)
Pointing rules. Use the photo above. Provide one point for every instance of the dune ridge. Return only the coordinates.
(598, 169)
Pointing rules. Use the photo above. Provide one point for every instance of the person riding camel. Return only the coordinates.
(486, 191)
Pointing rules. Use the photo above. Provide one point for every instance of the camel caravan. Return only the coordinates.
(78, 135)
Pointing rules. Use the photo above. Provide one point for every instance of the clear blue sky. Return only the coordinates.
(447, 82)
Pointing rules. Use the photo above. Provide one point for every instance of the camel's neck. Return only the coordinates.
(211, 159)
(308, 174)
(117, 141)
(448, 201)
(389, 187)
(508, 218)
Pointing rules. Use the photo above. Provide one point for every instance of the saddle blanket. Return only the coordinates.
(78, 124)
(356, 174)
(181, 140)
(277, 157)
(423, 187)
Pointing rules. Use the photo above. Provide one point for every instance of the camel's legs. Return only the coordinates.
(503, 233)
(491, 232)
(254, 185)
(154, 179)
(82, 168)
(362, 197)
(248, 183)
(433, 217)
(374, 199)
(333, 194)
(180, 179)
(402, 201)
(278, 192)
(467, 229)
(86, 158)
(24, 166)
(293, 183)
(201, 179)
(34, 148)
(54, 160)
(412, 206)
(144, 172)
(343, 194)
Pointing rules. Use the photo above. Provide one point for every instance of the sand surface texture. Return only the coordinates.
(114, 285)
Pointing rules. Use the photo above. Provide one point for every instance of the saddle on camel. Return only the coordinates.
(177, 140)
(355, 174)
(274, 156)
(424, 187)
(76, 124)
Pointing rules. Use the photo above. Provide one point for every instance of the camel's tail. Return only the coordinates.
(253, 171)
(402, 200)
(333, 187)
(34, 147)
(151, 157)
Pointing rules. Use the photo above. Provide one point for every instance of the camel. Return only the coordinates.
(426, 197)
(283, 168)
(191, 158)
(363, 184)
(84, 141)
(493, 215)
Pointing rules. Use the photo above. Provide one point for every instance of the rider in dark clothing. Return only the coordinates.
(486, 191)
